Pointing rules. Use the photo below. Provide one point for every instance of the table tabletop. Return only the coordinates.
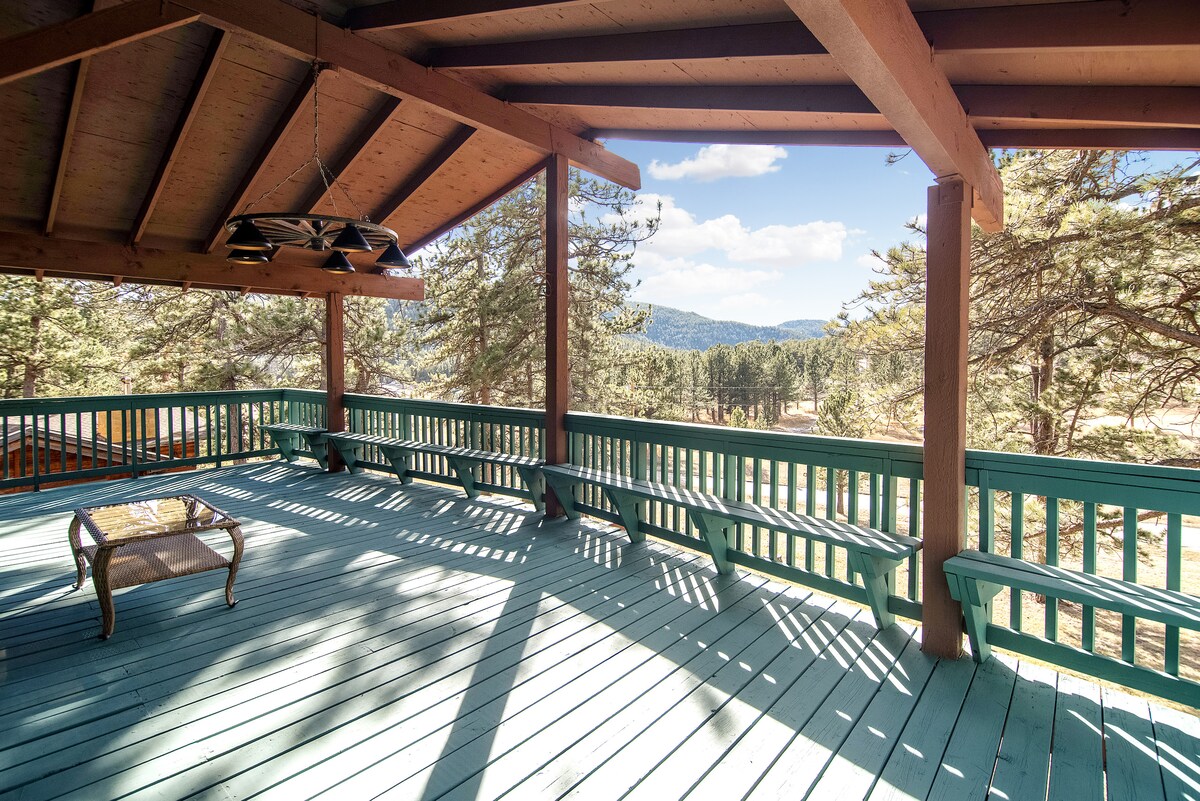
(120, 523)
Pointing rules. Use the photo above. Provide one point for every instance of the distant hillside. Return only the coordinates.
(675, 328)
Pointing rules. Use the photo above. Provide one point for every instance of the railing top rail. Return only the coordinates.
(17, 406)
(354, 399)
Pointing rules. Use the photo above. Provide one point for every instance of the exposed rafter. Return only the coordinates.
(1150, 106)
(26, 254)
(814, 98)
(424, 173)
(354, 150)
(1049, 138)
(462, 217)
(299, 104)
(1107, 24)
(191, 106)
(78, 81)
(878, 44)
(760, 40)
(406, 13)
(292, 31)
(46, 48)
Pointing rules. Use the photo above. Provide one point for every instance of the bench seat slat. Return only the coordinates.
(874, 555)
(1082, 588)
(1100, 583)
(876, 543)
(462, 460)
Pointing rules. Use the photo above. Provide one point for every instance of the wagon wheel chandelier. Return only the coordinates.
(254, 237)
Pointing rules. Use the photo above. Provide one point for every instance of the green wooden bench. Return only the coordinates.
(976, 577)
(875, 555)
(286, 437)
(463, 461)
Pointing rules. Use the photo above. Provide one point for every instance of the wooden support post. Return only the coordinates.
(948, 261)
(335, 374)
(557, 377)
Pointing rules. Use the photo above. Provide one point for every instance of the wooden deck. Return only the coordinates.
(402, 642)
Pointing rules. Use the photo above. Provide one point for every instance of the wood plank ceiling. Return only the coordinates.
(152, 140)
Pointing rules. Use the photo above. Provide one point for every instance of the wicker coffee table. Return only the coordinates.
(146, 541)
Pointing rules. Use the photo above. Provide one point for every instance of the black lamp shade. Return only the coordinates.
(247, 237)
(393, 257)
(351, 240)
(247, 257)
(337, 263)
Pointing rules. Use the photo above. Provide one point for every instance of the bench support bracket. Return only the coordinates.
(879, 579)
(976, 599)
(629, 508)
(564, 490)
(532, 476)
(713, 529)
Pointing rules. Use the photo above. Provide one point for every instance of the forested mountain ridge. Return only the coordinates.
(684, 330)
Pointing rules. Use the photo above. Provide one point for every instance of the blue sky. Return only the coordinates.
(767, 234)
(764, 234)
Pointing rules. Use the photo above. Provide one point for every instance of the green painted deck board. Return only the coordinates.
(1077, 759)
(1023, 764)
(405, 642)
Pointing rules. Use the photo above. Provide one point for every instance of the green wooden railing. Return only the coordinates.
(1060, 512)
(1119, 520)
(491, 428)
(51, 440)
(875, 484)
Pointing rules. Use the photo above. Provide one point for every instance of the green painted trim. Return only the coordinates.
(1155, 682)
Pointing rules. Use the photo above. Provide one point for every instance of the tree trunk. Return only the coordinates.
(1045, 423)
(29, 383)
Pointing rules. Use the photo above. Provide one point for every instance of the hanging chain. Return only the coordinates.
(327, 177)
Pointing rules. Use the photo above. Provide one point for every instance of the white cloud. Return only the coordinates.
(722, 161)
(920, 220)
(870, 261)
(681, 234)
(673, 278)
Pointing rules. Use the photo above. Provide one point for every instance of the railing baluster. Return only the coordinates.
(1089, 566)
(1174, 572)
(1129, 537)
(810, 509)
(1052, 560)
(1016, 546)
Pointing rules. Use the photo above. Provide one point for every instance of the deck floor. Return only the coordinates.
(403, 642)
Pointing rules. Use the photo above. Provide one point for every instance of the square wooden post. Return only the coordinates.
(947, 270)
(335, 373)
(557, 370)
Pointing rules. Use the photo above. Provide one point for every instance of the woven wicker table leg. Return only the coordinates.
(103, 592)
(239, 545)
(77, 552)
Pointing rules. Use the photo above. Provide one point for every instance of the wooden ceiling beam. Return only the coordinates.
(1095, 25)
(819, 98)
(761, 40)
(1102, 25)
(366, 135)
(78, 80)
(1048, 138)
(191, 108)
(462, 217)
(878, 44)
(406, 13)
(46, 48)
(285, 28)
(299, 105)
(1149, 106)
(26, 254)
(426, 171)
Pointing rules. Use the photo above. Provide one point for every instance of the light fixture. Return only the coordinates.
(248, 257)
(264, 231)
(246, 236)
(337, 263)
(393, 257)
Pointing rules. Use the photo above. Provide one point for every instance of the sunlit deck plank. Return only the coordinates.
(403, 642)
